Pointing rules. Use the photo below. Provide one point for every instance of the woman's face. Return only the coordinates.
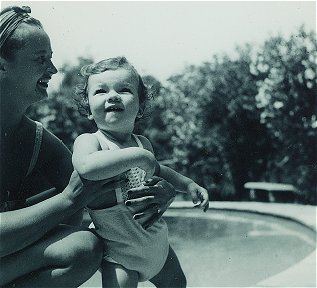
(28, 74)
(113, 99)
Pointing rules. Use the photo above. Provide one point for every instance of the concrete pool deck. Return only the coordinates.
(298, 275)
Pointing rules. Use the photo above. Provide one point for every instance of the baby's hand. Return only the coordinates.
(198, 193)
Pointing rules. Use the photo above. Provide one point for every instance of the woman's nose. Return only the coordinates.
(51, 68)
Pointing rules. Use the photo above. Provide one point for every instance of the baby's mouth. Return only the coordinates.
(114, 109)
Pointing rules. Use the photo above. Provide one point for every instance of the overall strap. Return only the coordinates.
(102, 138)
(137, 140)
(37, 146)
(104, 142)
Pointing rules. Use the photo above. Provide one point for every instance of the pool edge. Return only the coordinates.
(298, 274)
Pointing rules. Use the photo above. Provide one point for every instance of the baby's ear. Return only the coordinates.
(90, 117)
(141, 111)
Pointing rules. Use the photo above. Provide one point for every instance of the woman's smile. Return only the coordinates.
(43, 83)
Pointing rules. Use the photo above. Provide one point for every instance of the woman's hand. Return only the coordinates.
(148, 203)
(82, 192)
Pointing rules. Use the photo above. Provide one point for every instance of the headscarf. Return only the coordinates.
(10, 20)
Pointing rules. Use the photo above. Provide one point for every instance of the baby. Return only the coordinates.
(115, 97)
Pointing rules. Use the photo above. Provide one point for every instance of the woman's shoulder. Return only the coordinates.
(50, 145)
(29, 126)
(50, 140)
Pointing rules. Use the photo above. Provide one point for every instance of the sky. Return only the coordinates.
(161, 37)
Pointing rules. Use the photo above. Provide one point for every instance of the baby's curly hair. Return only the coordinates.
(145, 93)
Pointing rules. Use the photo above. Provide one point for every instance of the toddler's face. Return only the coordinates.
(113, 99)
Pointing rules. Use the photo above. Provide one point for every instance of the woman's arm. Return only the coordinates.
(55, 165)
(20, 228)
(95, 164)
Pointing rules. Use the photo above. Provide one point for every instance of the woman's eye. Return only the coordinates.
(41, 59)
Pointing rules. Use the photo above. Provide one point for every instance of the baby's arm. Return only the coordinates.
(186, 185)
(180, 182)
(92, 163)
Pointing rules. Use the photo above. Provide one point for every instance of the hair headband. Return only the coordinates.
(10, 20)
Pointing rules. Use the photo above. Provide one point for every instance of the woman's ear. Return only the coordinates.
(2, 65)
(90, 117)
(3, 69)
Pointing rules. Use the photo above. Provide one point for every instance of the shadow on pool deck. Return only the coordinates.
(302, 274)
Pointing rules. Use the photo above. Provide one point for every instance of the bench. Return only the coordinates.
(273, 192)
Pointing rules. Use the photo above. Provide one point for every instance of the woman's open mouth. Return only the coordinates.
(43, 83)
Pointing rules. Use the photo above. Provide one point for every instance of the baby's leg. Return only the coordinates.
(171, 274)
(115, 275)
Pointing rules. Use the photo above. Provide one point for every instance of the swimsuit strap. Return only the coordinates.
(103, 139)
(37, 146)
(105, 143)
(19, 202)
(137, 140)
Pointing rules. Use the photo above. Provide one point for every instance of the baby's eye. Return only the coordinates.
(100, 91)
(126, 90)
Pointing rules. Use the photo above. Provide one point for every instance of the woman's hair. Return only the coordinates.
(11, 18)
(145, 92)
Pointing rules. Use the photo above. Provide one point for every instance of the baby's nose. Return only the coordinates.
(113, 97)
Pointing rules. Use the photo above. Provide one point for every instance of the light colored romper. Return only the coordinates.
(127, 242)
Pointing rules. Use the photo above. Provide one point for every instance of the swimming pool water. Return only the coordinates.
(231, 248)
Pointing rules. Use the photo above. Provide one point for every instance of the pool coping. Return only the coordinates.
(305, 215)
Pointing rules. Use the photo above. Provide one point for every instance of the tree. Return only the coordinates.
(287, 99)
(153, 126)
(215, 124)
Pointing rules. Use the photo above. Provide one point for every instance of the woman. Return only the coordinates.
(36, 249)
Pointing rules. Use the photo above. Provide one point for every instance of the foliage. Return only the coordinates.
(227, 121)
(215, 123)
(287, 99)
(248, 119)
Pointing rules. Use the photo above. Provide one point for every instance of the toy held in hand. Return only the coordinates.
(135, 177)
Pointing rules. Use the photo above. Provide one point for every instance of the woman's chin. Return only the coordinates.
(41, 92)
